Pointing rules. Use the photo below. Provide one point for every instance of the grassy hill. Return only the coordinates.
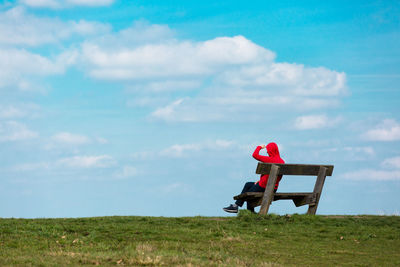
(246, 240)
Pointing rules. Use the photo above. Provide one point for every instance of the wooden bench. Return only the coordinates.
(264, 199)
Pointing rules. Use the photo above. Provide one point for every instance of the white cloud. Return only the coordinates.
(67, 140)
(297, 79)
(103, 161)
(180, 111)
(17, 27)
(346, 153)
(142, 155)
(101, 140)
(168, 111)
(360, 150)
(171, 58)
(21, 61)
(56, 4)
(90, 2)
(139, 34)
(18, 68)
(392, 163)
(166, 86)
(311, 122)
(126, 172)
(15, 131)
(23, 69)
(233, 77)
(388, 130)
(28, 167)
(372, 175)
(19, 111)
(10, 112)
(75, 162)
(182, 150)
(70, 139)
(393, 174)
(176, 188)
(151, 52)
(41, 3)
(234, 106)
(223, 143)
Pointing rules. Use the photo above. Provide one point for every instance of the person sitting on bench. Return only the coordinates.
(274, 157)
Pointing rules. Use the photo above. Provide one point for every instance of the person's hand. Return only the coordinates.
(262, 146)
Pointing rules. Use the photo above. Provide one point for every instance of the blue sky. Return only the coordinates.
(154, 107)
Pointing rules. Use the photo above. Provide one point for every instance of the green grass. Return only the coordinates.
(246, 240)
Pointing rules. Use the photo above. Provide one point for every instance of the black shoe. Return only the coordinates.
(231, 209)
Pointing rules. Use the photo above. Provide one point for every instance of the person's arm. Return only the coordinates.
(257, 156)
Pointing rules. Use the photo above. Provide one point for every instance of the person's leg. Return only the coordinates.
(248, 187)
(245, 189)
(233, 208)
(254, 188)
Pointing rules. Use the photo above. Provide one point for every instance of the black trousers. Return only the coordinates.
(250, 187)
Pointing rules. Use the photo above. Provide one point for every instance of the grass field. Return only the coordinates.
(246, 240)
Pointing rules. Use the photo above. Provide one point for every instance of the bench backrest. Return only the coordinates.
(294, 169)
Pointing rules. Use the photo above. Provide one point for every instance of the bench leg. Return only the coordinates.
(269, 190)
(251, 204)
(312, 208)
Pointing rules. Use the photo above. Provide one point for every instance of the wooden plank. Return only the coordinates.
(249, 195)
(291, 195)
(306, 200)
(299, 199)
(277, 196)
(319, 184)
(293, 169)
(254, 203)
(252, 198)
(269, 190)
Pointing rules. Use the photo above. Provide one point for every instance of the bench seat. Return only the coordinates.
(299, 199)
